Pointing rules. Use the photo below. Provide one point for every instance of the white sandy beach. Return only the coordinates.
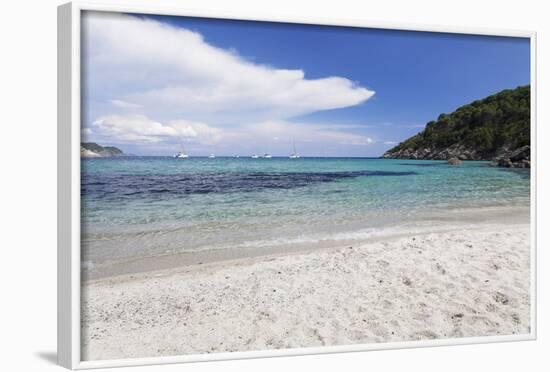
(433, 285)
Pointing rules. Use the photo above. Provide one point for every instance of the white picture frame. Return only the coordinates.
(69, 101)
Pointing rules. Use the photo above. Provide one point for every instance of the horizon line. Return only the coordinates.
(235, 156)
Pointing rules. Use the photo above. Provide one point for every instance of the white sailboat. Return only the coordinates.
(181, 154)
(267, 156)
(254, 156)
(294, 154)
(211, 156)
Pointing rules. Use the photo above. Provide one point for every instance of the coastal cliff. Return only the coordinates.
(495, 128)
(93, 150)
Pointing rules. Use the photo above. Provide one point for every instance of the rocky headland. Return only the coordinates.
(93, 150)
(496, 128)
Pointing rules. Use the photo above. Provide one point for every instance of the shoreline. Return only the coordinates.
(423, 286)
(439, 221)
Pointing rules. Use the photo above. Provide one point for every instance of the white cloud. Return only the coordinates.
(288, 132)
(173, 73)
(131, 128)
(153, 86)
(390, 143)
(200, 132)
(123, 104)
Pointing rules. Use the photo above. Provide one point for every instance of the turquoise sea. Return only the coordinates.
(138, 208)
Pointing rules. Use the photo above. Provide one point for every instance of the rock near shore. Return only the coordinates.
(519, 158)
(457, 151)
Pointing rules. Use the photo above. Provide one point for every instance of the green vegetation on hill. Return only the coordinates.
(112, 150)
(90, 149)
(484, 127)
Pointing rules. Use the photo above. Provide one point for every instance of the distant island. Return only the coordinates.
(495, 128)
(93, 150)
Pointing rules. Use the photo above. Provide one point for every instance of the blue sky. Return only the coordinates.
(153, 84)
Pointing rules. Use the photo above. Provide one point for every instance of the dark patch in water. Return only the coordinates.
(120, 186)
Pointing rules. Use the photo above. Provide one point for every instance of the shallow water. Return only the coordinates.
(136, 207)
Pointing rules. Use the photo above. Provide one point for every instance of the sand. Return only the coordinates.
(426, 286)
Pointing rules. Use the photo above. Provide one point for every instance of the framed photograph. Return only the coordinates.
(243, 185)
